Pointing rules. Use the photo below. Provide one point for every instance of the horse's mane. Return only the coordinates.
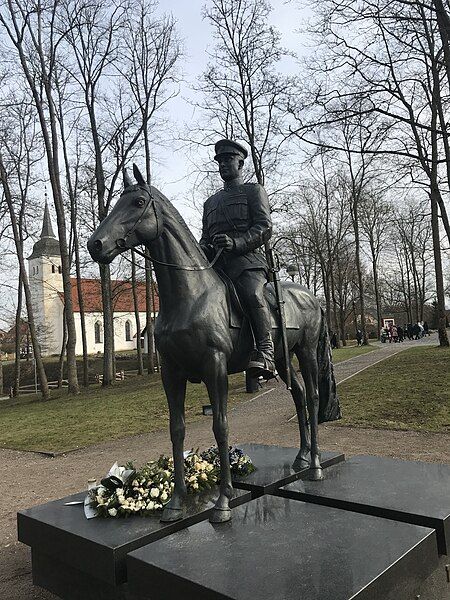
(175, 214)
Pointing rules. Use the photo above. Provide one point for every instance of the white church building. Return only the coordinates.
(46, 285)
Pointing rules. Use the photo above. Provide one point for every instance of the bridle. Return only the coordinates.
(122, 242)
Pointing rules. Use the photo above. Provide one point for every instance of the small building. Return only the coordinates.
(46, 286)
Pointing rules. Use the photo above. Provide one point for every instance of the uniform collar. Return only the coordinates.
(232, 185)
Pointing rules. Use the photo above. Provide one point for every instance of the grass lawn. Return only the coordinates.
(134, 406)
(408, 391)
(340, 354)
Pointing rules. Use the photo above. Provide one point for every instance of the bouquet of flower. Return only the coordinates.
(240, 463)
(126, 490)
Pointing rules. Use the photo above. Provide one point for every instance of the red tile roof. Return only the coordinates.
(121, 291)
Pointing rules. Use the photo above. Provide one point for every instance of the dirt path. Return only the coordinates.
(30, 479)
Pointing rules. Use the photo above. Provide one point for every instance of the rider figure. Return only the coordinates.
(237, 219)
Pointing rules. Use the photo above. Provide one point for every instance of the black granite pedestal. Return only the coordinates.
(280, 549)
(275, 467)
(79, 559)
(412, 492)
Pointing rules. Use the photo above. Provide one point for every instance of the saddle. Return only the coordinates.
(238, 316)
(235, 308)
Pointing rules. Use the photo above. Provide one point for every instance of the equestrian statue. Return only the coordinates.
(203, 332)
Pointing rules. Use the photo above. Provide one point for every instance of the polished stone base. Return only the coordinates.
(277, 548)
(412, 492)
(90, 554)
(275, 467)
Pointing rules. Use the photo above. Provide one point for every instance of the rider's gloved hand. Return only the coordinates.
(209, 251)
(222, 240)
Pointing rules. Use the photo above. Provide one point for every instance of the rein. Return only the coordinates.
(180, 267)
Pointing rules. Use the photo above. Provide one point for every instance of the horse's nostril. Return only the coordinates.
(98, 245)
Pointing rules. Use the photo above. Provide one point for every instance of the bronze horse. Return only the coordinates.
(195, 338)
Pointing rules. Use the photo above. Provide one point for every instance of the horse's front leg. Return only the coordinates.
(216, 380)
(174, 384)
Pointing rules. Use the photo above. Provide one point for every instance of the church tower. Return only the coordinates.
(46, 285)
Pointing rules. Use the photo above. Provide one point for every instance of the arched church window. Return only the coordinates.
(127, 331)
(98, 332)
(53, 268)
(59, 270)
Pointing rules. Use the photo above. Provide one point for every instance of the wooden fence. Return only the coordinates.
(96, 378)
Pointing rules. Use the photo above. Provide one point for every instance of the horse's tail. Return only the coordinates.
(329, 409)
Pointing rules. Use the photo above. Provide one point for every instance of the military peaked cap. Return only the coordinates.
(229, 147)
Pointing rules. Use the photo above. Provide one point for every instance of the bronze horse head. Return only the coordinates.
(135, 219)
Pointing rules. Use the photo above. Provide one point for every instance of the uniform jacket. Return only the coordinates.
(242, 212)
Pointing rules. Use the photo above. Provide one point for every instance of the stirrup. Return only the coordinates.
(260, 366)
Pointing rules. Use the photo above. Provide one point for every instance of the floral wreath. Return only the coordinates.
(128, 491)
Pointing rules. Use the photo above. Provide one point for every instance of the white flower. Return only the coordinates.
(112, 512)
(154, 492)
(119, 491)
(150, 505)
(195, 486)
(203, 476)
(164, 496)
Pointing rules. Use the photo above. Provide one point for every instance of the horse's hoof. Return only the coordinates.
(300, 464)
(171, 514)
(315, 474)
(220, 515)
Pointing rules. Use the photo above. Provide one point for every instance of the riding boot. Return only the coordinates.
(262, 358)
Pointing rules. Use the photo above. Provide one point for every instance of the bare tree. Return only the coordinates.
(393, 71)
(24, 277)
(242, 89)
(29, 26)
(376, 214)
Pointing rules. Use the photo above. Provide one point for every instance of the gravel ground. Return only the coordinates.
(31, 479)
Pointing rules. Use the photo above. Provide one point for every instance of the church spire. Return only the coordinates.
(47, 229)
(47, 244)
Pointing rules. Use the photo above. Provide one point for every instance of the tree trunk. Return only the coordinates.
(152, 286)
(136, 314)
(148, 315)
(82, 313)
(61, 354)
(108, 327)
(23, 274)
(442, 321)
(365, 340)
(76, 245)
(16, 385)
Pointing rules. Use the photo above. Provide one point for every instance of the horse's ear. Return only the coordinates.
(126, 180)
(138, 175)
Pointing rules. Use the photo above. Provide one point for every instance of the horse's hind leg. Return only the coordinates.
(299, 397)
(310, 372)
(216, 380)
(175, 387)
